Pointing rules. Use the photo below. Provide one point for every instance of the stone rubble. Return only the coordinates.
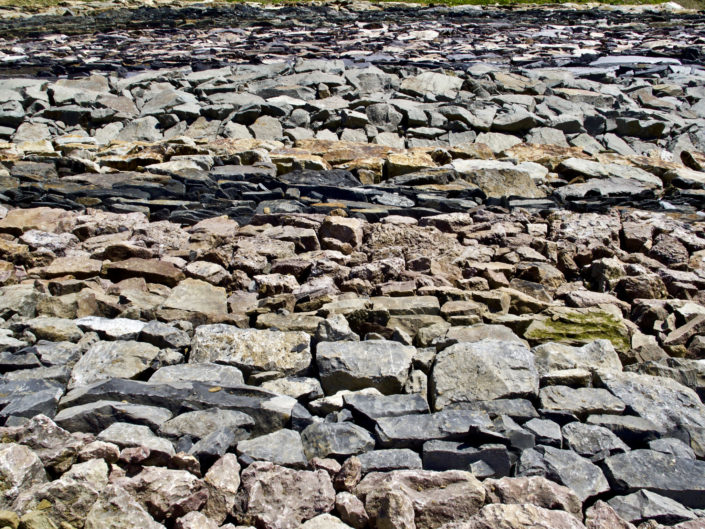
(346, 279)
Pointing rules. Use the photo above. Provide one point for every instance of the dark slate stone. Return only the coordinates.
(270, 411)
(519, 437)
(679, 478)
(592, 441)
(450, 455)
(164, 336)
(334, 177)
(531, 463)
(546, 432)
(43, 402)
(19, 360)
(520, 410)
(391, 459)
(211, 448)
(575, 472)
(366, 409)
(635, 431)
(669, 445)
(644, 505)
(411, 431)
(337, 440)
(94, 417)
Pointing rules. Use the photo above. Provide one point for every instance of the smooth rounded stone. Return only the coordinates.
(484, 370)
(112, 329)
(133, 435)
(575, 472)
(580, 401)
(391, 459)
(672, 446)
(379, 364)
(411, 431)
(105, 360)
(449, 455)
(300, 388)
(252, 350)
(437, 498)
(663, 401)
(115, 508)
(591, 441)
(644, 505)
(546, 432)
(515, 516)
(283, 447)
(54, 329)
(534, 490)
(599, 354)
(201, 423)
(164, 336)
(95, 417)
(368, 408)
(20, 469)
(275, 497)
(678, 478)
(338, 440)
(207, 373)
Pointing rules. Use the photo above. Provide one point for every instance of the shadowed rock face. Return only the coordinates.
(351, 266)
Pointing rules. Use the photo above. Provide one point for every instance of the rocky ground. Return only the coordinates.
(332, 266)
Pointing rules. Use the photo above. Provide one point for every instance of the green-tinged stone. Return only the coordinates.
(577, 327)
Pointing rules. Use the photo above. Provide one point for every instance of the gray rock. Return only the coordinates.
(20, 469)
(379, 364)
(599, 354)
(367, 409)
(580, 401)
(214, 374)
(630, 429)
(682, 479)
(163, 335)
(448, 455)
(411, 431)
(95, 417)
(644, 505)
(592, 169)
(281, 448)
(575, 472)
(339, 440)
(105, 360)
(112, 329)
(201, 423)
(675, 447)
(115, 507)
(545, 431)
(391, 459)
(484, 370)
(592, 441)
(498, 178)
(300, 388)
(132, 435)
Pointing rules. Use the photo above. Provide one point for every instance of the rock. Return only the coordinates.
(283, 448)
(275, 497)
(104, 360)
(545, 432)
(680, 479)
(436, 497)
(498, 179)
(207, 373)
(391, 459)
(431, 83)
(592, 441)
(379, 364)
(116, 509)
(194, 295)
(97, 416)
(164, 336)
(575, 472)
(367, 409)
(500, 516)
(201, 423)
(152, 270)
(580, 401)
(591, 169)
(644, 505)
(223, 482)
(130, 435)
(599, 354)
(483, 370)
(449, 455)
(167, 494)
(351, 510)
(602, 515)
(534, 490)
(252, 350)
(195, 520)
(335, 440)
(55, 329)
(324, 521)
(20, 469)
(409, 431)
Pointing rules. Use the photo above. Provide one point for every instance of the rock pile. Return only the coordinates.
(314, 294)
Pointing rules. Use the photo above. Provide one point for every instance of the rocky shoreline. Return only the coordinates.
(346, 265)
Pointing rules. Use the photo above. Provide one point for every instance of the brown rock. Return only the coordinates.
(79, 267)
(275, 497)
(152, 270)
(534, 490)
(18, 221)
(437, 497)
(349, 476)
(351, 510)
(526, 516)
(344, 229)
(223, 482)
(602, 516)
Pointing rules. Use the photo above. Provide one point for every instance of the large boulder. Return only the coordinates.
(484, 370)
(275, 497)
(436, 497)
(252, 350)
(379, 364)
